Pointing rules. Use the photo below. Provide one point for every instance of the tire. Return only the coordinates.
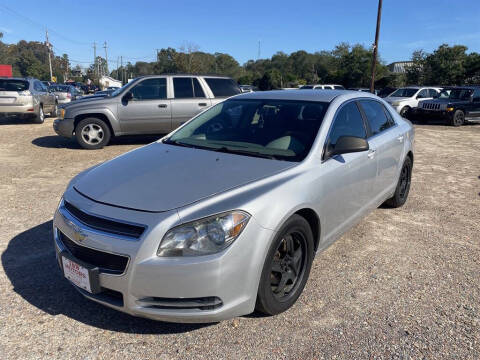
(40, 117)
(403, 186)
(54, 112)
(404, 112)
(288, 262)
(92, 133)
(458, 118)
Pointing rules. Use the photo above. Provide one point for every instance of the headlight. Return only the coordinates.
(395, 103)
(62, 113)
(205, 236)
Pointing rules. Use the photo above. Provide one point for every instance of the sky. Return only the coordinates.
(134, 29)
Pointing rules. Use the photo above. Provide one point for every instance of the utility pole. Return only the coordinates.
(121, 66)
(258, 53)
(375, 46)
(117, 67)
(106, 57)
(94, 59)
(49, 48)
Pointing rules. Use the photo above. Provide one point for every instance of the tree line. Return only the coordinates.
(348, 65)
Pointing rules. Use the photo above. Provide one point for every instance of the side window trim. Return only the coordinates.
(355, 100)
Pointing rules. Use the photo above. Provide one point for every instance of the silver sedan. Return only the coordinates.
(225, 215)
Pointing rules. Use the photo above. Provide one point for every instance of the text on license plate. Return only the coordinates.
(76, 273)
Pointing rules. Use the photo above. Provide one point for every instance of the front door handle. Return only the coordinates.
(371, 153)
(162, 105)
(400, 138)
(202, 104)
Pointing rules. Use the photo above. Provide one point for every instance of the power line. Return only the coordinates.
(42, 26)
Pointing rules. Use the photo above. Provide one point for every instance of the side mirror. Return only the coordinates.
(128, 97)
(349, 144)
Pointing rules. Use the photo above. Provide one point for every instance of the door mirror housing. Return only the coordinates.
(128, 96)
(349, 144)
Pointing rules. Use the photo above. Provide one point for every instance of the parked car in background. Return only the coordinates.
(386, 91)
(248, 88)
(65, 93)
(322, 87)
(27, 98)
(405, 99)
(455, 105)
(146, 105)
(364, 90)
(48, 83)
(190, 228)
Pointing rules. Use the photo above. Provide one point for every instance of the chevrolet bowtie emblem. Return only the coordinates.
(78, 234)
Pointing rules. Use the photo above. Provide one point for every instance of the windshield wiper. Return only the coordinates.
(245, 152)
(177, 143)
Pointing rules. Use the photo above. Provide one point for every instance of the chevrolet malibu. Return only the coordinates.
(224, 215)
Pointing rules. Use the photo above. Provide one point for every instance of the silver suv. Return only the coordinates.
(155, 104)
(27, 98)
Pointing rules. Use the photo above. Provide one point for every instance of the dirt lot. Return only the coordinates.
(402, 284)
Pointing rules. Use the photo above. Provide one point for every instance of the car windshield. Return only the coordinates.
(274, 129)
(13, 85)
(122, 89)
(404, 92)
(59, 88)
(455, 94)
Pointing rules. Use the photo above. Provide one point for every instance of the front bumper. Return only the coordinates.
(63, 127)
(164, 288)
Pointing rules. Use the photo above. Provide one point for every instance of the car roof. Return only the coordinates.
(304, 95)
(16, 78)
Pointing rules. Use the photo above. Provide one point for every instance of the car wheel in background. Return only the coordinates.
(403, 186)
(404, 112)
(286, 267)
(40, 117)
(92, 133)
(54, 112)
(458, 118)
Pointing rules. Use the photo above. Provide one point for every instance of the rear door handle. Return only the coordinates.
(371, 153)
(202, 104)
(400, 138)
(162, 105)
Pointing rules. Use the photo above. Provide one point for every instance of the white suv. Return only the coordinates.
(405, 99)
(322, 87)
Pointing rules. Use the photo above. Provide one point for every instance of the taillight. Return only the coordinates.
(69, 95)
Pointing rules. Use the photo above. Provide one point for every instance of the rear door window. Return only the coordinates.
(376, 116)
(183, 88)
(223, 87)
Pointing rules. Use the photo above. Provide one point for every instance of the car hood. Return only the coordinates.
(391, 99)
(160, 177)
(90, 100)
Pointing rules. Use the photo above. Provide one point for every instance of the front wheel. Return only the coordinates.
(458, 118)
(286, 267)
(404, 112)
(92, 133)
(403, 186)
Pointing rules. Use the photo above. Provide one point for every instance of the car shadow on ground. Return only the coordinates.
(54, 141)
(30, 265)
(440, 122)
(14, 120)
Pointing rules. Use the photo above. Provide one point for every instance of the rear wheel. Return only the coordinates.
(403, 186)
(458, 118)
(286, 267)
(40, 117)
(92, 133)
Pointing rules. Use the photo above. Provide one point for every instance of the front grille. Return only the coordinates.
(106, 262)
(203, 303)
(106, 225)
(431, 106)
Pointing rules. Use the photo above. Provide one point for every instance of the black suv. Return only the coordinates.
(453, 104)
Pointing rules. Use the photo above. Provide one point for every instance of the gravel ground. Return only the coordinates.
(403, 284)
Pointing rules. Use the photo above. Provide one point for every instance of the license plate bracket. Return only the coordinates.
(81, 274)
